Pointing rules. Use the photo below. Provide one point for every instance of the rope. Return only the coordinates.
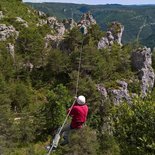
(76, 91)
(79, 68)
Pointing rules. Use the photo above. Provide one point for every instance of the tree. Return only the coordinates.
(58, 99)
(82, 141)
(30, 45)
(134, 127)
(73, 40)
(6, 121)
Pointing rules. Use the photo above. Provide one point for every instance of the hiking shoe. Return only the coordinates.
(64, 142)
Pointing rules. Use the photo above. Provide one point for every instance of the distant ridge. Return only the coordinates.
(131, 16)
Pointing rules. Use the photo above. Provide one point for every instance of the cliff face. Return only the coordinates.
(142, 62)
(113, 35)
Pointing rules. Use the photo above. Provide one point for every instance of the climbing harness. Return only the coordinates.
(57, 136)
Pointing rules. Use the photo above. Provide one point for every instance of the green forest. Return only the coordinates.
(33, 102)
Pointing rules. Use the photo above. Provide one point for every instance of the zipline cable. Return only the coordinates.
(76, 92)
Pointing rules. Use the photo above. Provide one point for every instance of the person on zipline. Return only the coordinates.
(79, 116)
(78, 113)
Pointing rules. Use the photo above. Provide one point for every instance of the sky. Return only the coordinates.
(94, 2)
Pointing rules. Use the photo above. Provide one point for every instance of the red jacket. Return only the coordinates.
(79, 115)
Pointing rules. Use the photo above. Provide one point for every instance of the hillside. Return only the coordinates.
(139, 21)
(45, 63)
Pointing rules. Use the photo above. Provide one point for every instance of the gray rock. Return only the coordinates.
(7, 32)
(69, 24)
(116, 95)
(22, 21)
(113, 35)
(87, 20)
(60, 29)
(41, 14)
(52, 21)
(102, 90)
(142, 62)
(57, 26)
(141, 58)
(42, 22)
(52, 41)
(110, 38)
(120, 94)
(103, 43)
(117, 29)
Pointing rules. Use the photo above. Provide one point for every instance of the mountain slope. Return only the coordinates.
(15, 8)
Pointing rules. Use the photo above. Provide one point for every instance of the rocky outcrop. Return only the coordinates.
(55, 39)
(142, 62)
(7, 32)
(52, 21)
(120, 94)
(87, 20)
(105, 42)
(113, 35)
(42, 22)
(22, 21)
(52, 41)
(117, 29)
(102, 90)
(69, 24)
(60, 29)
(1, 15)
(57, 26)
(66, 25)
(42, 19)
(116, 95)
(41, 14)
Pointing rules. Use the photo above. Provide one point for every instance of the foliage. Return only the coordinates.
(58, 99)
(11, 10)
(5, 117)
(57, 68)
(30, 42)
(73, 40)
(134, 126)
(81, 141)
(94, 35)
